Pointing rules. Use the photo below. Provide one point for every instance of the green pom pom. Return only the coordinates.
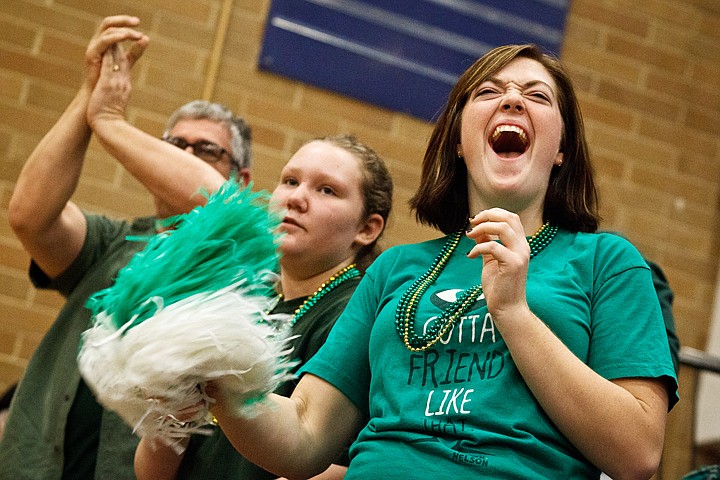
(230, 239)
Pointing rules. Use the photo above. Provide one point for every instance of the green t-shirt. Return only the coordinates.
(213, 456)
(55, 428)
(460, 409)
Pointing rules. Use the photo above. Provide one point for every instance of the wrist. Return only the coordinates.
(103, 122)
(518, 314)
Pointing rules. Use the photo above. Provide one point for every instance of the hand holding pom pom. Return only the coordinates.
(188, 309)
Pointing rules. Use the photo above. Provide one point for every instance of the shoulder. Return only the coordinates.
(602, 245)
(606, 252)
(339, 296)
(104, 226)
(619, 249)
(601, 238)
(110, 236)
(142, 225)
(603, 254)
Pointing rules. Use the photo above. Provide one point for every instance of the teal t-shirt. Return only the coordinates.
(460, 409)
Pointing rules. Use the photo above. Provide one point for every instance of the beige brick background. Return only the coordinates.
(648, 74)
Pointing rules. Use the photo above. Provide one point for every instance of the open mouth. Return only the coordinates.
(509, 141)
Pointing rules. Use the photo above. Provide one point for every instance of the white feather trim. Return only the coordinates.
(152, 371)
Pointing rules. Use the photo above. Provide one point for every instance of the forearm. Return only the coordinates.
(619, 433)
(295, 437)
(174, 176)
(157, 462)
(273, 439)
(333, 472)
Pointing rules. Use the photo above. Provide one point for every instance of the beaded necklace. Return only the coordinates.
(331, 283)
(407, 308)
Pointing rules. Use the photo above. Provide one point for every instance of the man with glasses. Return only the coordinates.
(56, 429)
(185, 129)
(210, 132)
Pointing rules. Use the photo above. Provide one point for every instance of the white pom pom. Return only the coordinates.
(160, 366)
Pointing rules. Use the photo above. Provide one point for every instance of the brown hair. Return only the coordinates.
(376, 189)
(441, 200)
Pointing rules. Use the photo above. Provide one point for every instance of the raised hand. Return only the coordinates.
(112, 31)
(505, 253)
(112, 89)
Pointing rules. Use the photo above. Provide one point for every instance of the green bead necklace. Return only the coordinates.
(407, 308)
(331, 283)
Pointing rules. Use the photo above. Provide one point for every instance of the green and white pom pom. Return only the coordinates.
(229, 239)
(190, 308)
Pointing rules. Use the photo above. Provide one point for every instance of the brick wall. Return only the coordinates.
(648, 75)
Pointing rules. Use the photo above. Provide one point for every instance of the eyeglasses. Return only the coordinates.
(207, 151)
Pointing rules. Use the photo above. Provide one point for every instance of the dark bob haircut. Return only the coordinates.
(441, 200)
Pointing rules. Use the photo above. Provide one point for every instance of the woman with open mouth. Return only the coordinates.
(521, 344)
